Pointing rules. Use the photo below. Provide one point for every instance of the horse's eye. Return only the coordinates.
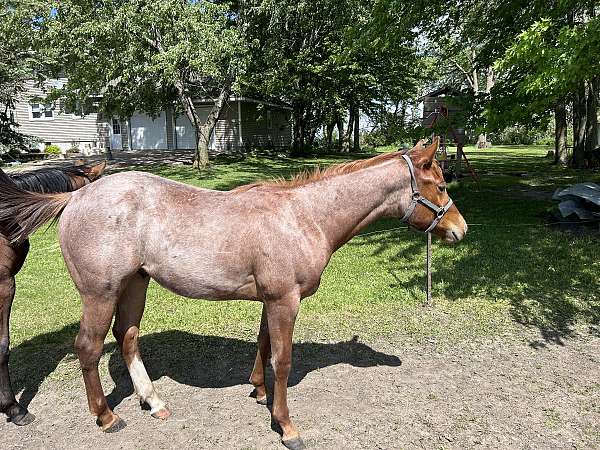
(442, 187)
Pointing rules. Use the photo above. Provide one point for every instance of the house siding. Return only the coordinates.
(255, 126)
(166, 131)
(225, 136)
(64, 130)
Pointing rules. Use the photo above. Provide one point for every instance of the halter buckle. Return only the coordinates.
(416, 195)
(441, 212)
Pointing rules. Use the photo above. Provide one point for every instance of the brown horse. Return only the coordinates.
(267, 241)
(12, 258)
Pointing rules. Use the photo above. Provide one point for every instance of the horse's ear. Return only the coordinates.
(96, 171)
(419, 146)
(424, 158)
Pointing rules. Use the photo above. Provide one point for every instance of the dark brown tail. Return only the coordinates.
(22, 212)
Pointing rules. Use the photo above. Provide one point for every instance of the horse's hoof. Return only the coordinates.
(117, 425)
(162, 414)
(23, 419)
(294, 444)
(261, 400)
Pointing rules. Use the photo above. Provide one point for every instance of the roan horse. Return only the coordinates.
(12, 258)
(266, 241)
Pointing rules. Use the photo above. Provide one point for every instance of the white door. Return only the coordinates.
(116, 140)
(148, 133)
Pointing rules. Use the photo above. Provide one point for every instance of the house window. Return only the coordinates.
(116, 126)
(41, 111)
(79, 109)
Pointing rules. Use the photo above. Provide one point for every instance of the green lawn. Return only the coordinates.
(510, 270)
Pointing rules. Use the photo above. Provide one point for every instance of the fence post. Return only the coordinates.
(428, 263)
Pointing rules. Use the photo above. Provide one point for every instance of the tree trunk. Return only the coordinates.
(356, 146)
(204, 132)
(347, 140)
(329, 134)
(579, 127)
(482, 141)
(311, 137)
(340, 127)
(459, 157)
(560, 133)
(299, 131)
(204, 129)
(591, 132)
(402, 115)
(474, 75)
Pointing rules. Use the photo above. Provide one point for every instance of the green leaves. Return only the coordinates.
(544, 64)
(136, 52)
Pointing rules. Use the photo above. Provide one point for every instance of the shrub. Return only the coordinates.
(516, 134)
(52, 149)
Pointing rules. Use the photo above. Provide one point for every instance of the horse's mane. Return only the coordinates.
(318, 173)
(47, 180)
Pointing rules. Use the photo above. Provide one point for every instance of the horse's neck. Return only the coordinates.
(343, 205)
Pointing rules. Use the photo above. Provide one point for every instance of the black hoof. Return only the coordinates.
(117, 426)
(23, 419)
(294, 444)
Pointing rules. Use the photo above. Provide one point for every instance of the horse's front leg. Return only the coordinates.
(257, 378)
(281, 317)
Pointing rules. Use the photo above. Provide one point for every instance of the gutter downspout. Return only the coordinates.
(241, 141)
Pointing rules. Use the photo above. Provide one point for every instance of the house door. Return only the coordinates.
(116, 141)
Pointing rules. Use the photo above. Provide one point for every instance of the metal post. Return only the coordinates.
(429, 297)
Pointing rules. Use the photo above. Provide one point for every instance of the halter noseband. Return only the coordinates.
(416, 197)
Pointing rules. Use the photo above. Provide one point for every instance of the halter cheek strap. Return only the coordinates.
(416, 198)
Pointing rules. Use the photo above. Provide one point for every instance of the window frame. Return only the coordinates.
(42, 109)
(117, 122)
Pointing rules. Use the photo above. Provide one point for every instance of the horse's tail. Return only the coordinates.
(22, 212)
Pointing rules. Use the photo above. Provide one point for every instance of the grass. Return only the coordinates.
(511, 270)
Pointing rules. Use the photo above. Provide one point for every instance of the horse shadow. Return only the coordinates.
(190, 359)
(219, 362)
(33, 360)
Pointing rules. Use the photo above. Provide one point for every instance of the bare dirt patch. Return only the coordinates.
(502, 394)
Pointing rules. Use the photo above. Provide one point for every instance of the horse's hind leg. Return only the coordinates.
(257, 378)
(8, 403)
(11, 260)
(97, 315)
(126, 330)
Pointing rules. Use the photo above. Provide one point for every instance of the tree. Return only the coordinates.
(552, 60)
(329, 59)
(144, 55)
(19, 61)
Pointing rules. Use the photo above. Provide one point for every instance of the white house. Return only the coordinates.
(244, 123)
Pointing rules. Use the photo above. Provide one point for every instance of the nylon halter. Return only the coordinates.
(416, 198)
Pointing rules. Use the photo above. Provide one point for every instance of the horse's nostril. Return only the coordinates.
(455, 236)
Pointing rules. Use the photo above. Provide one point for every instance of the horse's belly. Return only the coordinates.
(204, 282)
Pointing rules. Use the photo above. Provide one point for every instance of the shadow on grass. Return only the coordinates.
(33, 360)
(194, 360)
(549, 279)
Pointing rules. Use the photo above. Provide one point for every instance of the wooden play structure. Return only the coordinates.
(443, 117)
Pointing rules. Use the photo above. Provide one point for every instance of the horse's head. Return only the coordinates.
(94, 172)
(84, 175)
(430, 201)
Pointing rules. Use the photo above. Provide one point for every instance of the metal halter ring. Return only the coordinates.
(417, 198)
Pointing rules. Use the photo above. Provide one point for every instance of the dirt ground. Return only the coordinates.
(501, 394)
